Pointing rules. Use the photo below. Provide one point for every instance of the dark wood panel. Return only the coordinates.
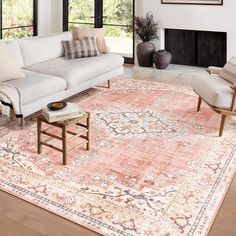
(181, 44)
(211, 48)
(197, 48)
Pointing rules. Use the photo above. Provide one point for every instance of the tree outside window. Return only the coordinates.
(18, 19)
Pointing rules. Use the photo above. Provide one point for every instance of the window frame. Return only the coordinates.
(34, 25)
(99, 22)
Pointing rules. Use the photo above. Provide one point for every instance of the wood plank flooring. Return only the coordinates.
(20, 218)
(225, 222)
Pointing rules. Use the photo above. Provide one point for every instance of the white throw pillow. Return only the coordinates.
(229, 71)
(8, 70)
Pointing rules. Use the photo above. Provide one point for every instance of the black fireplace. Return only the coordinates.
(196, 48)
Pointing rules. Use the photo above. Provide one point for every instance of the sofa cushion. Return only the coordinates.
(35, 86)
(15, 52)
(214, 90)
(79, 70)
(40, 49)
(8, 69)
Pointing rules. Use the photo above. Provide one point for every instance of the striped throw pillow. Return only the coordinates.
(80, 48)
(229, 71)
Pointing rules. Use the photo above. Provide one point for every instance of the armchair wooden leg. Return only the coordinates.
(109, 84)
(199, 103)
(222, 125)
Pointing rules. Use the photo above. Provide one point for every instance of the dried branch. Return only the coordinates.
(146, 28)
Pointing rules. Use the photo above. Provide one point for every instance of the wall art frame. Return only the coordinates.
(193, 2)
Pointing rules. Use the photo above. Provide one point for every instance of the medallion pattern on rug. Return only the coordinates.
(136, 123)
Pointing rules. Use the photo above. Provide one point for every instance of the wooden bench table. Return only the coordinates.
(83, 134)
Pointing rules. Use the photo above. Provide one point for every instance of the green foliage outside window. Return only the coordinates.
(116, 12)
(16, 13)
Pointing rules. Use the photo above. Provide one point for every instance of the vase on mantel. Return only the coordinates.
(145, 52)
(162, 59)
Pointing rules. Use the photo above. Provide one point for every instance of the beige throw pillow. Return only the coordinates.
(229, 71)
(8, 70)
(98, 33)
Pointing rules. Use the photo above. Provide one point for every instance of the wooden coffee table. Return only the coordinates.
(82, 124)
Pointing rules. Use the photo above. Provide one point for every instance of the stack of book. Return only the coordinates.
(71, 111)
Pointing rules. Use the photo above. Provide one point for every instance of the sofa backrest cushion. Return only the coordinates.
(15, 52)
(40, 49)
(229, 71)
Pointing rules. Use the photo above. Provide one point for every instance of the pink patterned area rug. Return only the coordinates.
(156, 166)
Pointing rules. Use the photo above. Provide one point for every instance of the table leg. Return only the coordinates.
(88, 133)
(64, 146)
(39, 129)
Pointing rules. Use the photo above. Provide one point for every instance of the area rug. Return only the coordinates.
(156, 166)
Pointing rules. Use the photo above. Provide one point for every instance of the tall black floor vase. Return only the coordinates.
(145, 52)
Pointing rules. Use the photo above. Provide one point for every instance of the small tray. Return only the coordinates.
(56, 106)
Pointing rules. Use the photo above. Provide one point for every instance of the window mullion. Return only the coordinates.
(65, 15)
(35, 17)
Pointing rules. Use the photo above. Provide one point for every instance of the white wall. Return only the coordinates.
(49, 16)
(44, 17)
(197, 17)
(56, 16)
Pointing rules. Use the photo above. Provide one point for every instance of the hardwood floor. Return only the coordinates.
(225, 222)
(20, 218)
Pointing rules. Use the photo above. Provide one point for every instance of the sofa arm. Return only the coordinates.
(214, 70)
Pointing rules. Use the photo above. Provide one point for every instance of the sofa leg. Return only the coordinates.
(199, 103)
(22, 123)
(109, 84)
(222, 125)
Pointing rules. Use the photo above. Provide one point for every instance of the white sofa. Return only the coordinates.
(49, 77)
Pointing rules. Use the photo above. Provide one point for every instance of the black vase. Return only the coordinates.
(145, 52)
(162, 59)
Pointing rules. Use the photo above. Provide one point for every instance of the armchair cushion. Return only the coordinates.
(229, 71)
(214, 90)
(214, 70)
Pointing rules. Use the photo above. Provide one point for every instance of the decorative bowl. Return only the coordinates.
(56, 106)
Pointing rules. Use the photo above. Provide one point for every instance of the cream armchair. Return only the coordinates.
(218, 93)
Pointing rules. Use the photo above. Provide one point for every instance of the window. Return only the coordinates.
(116, 18)
(18, 19)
